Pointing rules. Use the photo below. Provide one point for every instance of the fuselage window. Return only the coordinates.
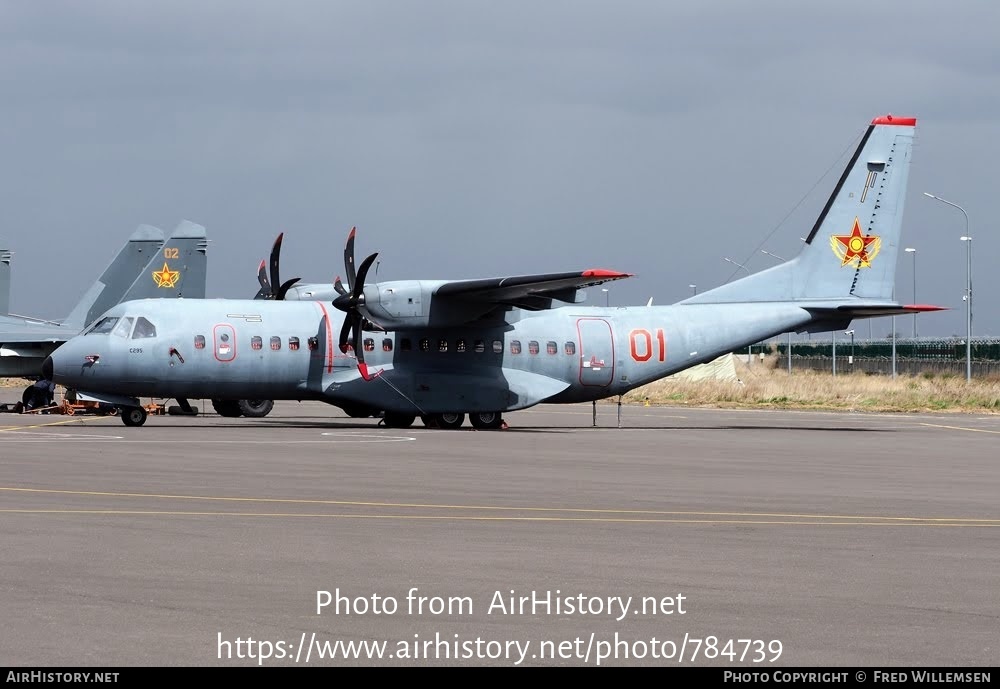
(256, 342)
(124, 327)
(386, 344)
(442, 345)
(313, 342)
(497, 346)
(533, 347)
(480, 346)
(143, 329)
(404, 344)
(199, 342)
(551, 347)
(275, 343)
(515, 346)
(293, 343)
(571, 348)
(104, 326)
(460, 346)
(369, 344)
(425, 345)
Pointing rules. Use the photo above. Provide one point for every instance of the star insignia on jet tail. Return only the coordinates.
(165, 277)
(855, 248)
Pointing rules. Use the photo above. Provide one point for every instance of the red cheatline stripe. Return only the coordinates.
(329, 338)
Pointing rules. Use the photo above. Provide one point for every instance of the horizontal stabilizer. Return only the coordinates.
(872, 310)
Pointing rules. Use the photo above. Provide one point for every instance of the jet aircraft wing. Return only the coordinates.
(529, 292)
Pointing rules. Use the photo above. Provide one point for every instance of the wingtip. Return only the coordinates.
(925, 307)
(896, 121)
(608, 274)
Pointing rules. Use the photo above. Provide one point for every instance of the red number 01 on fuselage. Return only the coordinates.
(640, 345)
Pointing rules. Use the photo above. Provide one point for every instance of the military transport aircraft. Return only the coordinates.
(145, 267)
(443, 350)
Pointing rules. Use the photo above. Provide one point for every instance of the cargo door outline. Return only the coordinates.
(224, 342)
(597, 352)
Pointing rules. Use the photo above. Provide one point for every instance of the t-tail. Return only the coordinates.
(116, 279)
(847, 265)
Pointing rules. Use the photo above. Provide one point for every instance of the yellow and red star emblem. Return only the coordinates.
(855, 248)
(165, 277)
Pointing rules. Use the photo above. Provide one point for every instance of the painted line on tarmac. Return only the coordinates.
(844, 518)
(960, 428)
(415, 517)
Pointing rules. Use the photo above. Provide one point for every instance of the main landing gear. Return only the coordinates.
(482, 421)
(133, 416)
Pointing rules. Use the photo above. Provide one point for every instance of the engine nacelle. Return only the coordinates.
(407, 304)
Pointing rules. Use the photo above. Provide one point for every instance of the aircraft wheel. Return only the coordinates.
(397, 420)
(27, 395)
(449, 421)
(358, 412)
(255, 409)
(228, 408)
(133, 416)
(486, 420)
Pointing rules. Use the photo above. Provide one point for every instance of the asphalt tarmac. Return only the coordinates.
(742, 539)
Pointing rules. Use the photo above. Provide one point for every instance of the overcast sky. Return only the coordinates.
(473, 139)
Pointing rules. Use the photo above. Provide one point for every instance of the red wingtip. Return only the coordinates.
(602, 273)
(262, 264)
(925, 307)
(353, 230)
(897, 121)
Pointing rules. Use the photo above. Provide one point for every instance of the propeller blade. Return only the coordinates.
(265, 287)
(359, 286)
(345, 332)
(358, 348)
(283, 290)
(349, 259)
(339, 286)
(275, 259)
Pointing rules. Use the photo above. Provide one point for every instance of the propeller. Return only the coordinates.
(352, 300)
(273, 288)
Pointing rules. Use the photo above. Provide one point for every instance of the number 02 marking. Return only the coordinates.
(171, 252)
(640, 345)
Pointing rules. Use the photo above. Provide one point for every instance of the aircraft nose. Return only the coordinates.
(47, 367)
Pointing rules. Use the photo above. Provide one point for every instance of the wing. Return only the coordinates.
(530, 292)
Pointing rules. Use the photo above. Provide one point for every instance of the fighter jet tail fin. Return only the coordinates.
(180, 269)
(116, 279)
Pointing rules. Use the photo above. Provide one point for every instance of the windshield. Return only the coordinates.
(103, 326)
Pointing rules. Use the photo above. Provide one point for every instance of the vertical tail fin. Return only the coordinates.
(179, 269)
(5, 257)
(850, 254)
(117, 277)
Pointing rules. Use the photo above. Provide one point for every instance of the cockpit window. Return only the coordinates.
(143, 329)
(124, 327)
(103, 326)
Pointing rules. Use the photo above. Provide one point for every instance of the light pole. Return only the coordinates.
(694, 289)
(726, 258)
(968, 309)
(607, 296)
(911, 250)
(764, 251)
(850, 360)
(968, 286)
(834, 333)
